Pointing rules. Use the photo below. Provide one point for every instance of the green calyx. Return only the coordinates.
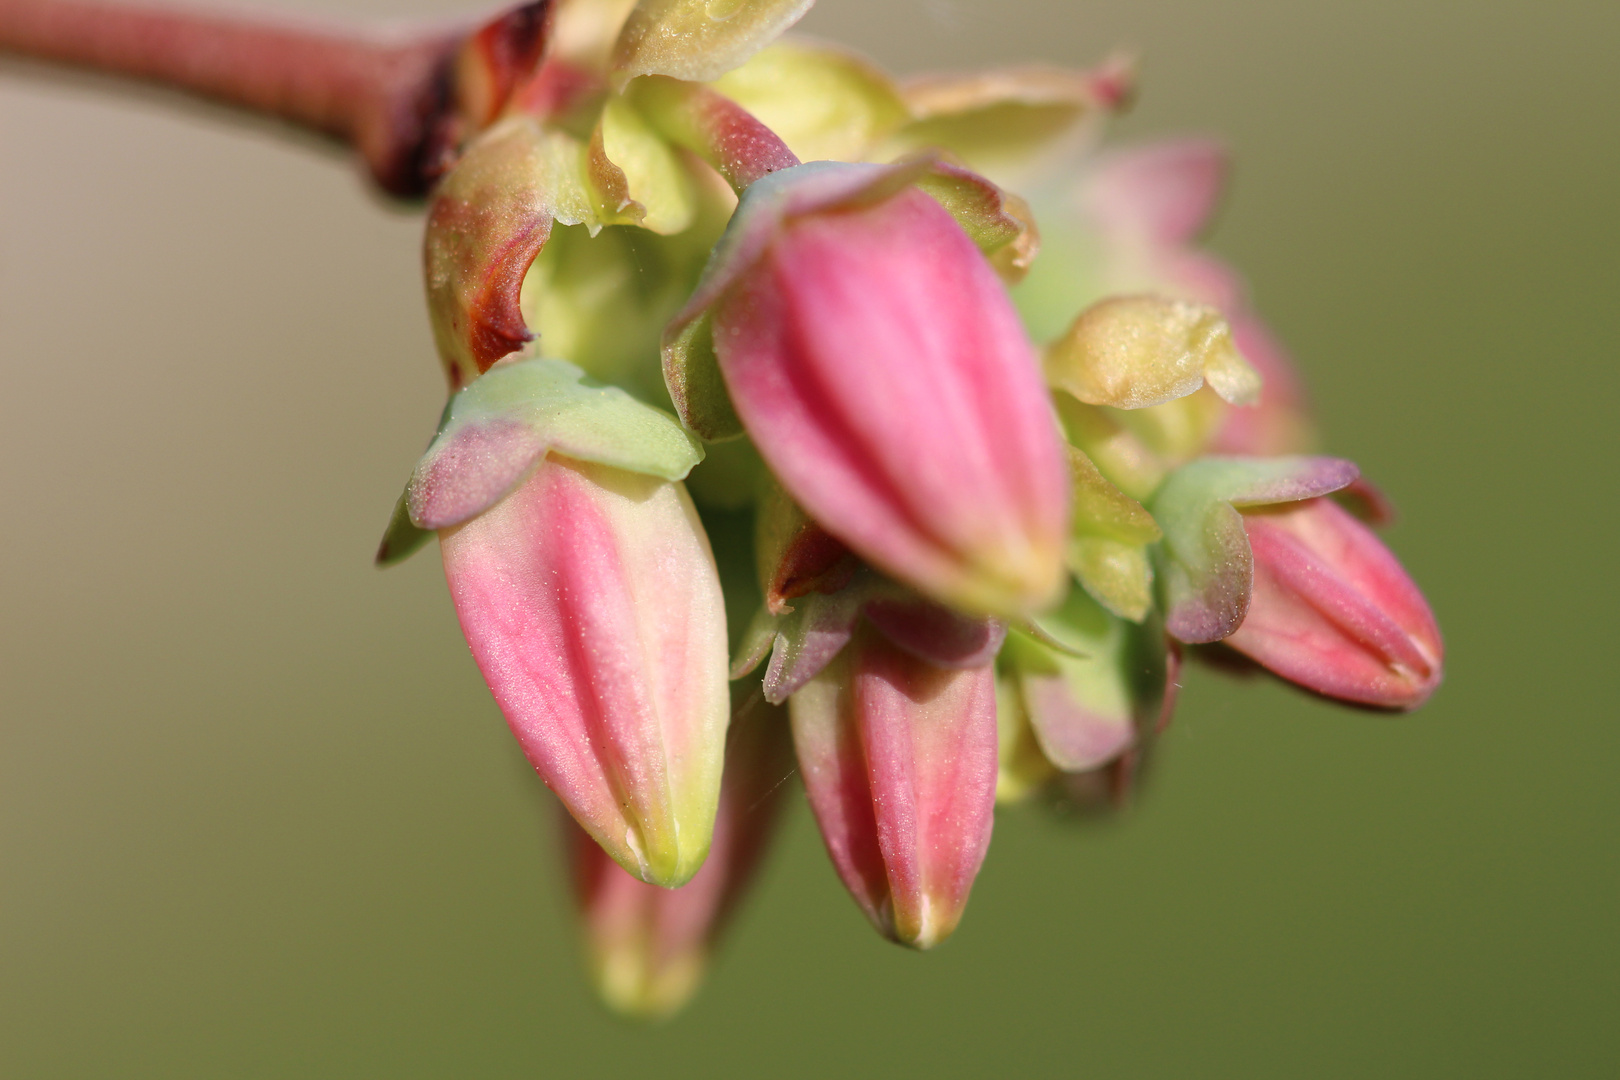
(495, 431)
(1208, 567)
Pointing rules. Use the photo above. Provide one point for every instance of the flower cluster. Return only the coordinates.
(763, 375)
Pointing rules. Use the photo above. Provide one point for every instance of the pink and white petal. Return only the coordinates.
(592, 606)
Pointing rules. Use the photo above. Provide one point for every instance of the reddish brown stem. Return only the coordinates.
(394, 101)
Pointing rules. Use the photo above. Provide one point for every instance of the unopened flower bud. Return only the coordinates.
(1206, 558)
(1333, 610)
(647, 945)
(1280, 422)
(593, 608)
(873, 356)
(899, 761)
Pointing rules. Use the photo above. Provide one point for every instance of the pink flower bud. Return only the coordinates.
(1280, 422)
(899, 761)
(648, 946)
(593, 607)
(875, 359)
(1334, 611)
(1148, 205)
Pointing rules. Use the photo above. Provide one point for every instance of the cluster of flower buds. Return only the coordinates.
(974, 485)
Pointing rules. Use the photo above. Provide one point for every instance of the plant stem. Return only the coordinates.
(395, 101)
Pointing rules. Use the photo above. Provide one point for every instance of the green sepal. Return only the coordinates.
(692, 376)
(825, 103)
(1137, 448)
(601, 301)
(1122, 458)
(1108, 541)
(755, 643)
(497, 429)
(802, 641)
(652, 173)
(1035, 631)
(1022, 769)
(402, 538)
(492, 216)
(699, 40)
(999, 222)
(1005, 123)
(1087, 709)
(1206, 564)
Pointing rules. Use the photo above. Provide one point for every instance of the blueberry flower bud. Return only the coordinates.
(899, 759)
(593, 608)
(1334, 611)
(974, 561)
(873, 356)
(586, 589)
(647, 945)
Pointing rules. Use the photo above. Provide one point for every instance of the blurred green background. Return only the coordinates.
(259, 816)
